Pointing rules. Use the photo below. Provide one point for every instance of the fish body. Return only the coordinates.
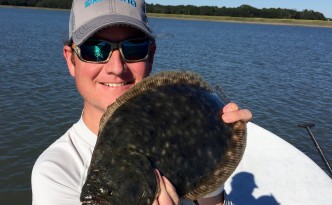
(170, 121)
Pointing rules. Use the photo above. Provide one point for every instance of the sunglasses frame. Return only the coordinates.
(114, 46)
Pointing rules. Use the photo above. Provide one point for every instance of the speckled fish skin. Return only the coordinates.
(171, 122)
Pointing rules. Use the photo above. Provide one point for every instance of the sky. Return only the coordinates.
(322, 6)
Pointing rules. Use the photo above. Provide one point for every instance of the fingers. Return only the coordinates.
(230, 107)
(171, 190)
(161, 187)
(167, 194)
(230, 117)
(232, 113)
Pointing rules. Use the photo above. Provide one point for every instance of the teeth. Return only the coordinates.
(114, 84)
(117, 84)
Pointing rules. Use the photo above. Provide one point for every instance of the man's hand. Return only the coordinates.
(167, 193)
(232, 113)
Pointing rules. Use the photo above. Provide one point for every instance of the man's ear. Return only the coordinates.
(68, 53)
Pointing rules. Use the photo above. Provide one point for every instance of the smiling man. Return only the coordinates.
(109, 50)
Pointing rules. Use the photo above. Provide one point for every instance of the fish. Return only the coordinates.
(170, 121)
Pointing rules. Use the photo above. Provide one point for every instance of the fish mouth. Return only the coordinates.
(95, 202)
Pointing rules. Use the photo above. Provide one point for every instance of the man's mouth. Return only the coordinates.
(113, 85)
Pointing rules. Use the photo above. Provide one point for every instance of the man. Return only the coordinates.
(110, 49)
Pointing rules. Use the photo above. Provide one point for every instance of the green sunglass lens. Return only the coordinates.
(136, 49)
(96, 51)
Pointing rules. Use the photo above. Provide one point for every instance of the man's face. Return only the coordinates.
(100, 84)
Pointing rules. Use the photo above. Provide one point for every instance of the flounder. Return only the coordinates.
(170, 121)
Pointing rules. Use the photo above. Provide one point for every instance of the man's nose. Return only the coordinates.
(115, 64)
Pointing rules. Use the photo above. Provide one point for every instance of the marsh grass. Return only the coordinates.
(246, 20)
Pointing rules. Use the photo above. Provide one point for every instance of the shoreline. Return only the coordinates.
(33, 7)
(228, 19)
(267, 21)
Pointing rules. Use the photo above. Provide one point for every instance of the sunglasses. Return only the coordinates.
(100, 51)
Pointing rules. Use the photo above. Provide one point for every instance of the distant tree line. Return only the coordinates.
(241, 11)
(61, 4)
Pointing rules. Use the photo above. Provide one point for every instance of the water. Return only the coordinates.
(283, 74)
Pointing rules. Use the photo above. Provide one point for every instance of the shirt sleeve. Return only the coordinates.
(50, 187)
(57, 176)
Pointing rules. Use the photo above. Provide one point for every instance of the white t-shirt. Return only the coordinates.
(60, 171)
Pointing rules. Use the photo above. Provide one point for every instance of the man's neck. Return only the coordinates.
(92, 119)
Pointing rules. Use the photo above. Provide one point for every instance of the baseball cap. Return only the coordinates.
(89, 16)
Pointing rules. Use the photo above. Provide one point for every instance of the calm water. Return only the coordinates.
(282, 73)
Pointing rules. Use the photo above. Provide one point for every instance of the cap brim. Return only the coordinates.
(88, 29)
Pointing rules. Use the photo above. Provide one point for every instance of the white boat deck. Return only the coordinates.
(273, 171)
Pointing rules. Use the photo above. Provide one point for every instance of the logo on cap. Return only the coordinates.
(131, 2)
(91, 2)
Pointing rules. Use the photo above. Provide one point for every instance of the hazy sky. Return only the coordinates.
(322, 6)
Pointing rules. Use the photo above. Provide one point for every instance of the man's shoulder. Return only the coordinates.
(55, 158)
(61, 168)
(70, 148)
(70, 154)
(59, 150)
